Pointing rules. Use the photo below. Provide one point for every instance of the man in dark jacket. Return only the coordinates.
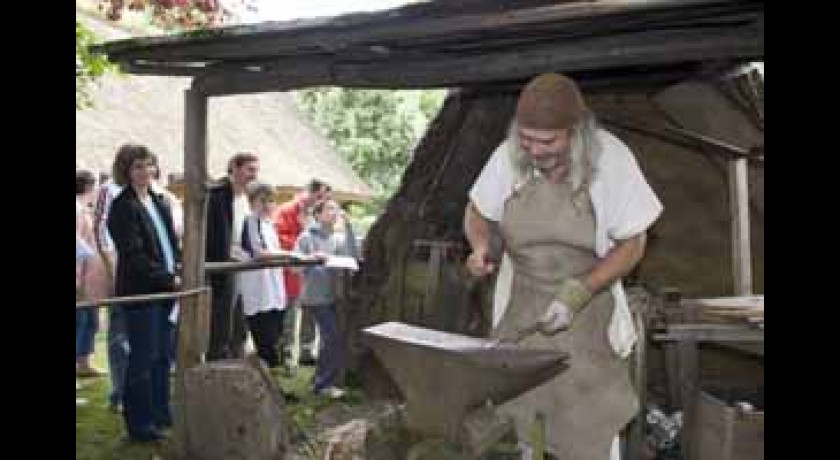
(227, 207)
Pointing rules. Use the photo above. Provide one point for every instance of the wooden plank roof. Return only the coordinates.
(437, 44)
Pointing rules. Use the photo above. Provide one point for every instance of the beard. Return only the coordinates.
(548, 163)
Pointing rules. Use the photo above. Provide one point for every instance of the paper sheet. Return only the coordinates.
(341, 262)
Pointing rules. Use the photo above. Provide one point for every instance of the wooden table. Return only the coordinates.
(681, 344)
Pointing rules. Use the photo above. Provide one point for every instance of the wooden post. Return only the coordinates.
(739, 207)
(671, 309)
(689, 386)
(195, 311)
(636, 433)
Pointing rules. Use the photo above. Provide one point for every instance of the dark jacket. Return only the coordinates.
(141, 268)
(227, 322)
(219, 221)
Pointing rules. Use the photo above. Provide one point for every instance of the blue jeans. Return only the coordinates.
(87, 324)
(117, 353)
(330, 353)
(173, 345)
(146, 400)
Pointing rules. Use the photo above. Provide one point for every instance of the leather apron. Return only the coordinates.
(548, 239)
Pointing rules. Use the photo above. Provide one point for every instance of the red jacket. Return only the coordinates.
(288, 224)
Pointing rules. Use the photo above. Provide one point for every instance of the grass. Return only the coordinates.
(100, 434)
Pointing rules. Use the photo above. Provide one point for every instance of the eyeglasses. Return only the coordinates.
(139, 165)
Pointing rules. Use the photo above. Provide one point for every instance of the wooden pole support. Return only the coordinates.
(194, 317)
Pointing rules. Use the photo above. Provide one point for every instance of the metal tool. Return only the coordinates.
(521, 335)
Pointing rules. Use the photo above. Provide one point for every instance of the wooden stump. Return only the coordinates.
(234, 412)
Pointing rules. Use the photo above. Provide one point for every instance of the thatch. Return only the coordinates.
(690, 246)
(150, 110)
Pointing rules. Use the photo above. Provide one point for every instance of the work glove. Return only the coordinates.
(571, 297)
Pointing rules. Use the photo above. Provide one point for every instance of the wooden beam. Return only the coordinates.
(336, 35)
(750, 348)
(195, 214)
(613, 52)
(689, 379)
(154, 68)
(746, 302)
(710, 333)
(134, 299)
(740, 212)
(636, 432)
(690, 139)
(224, 79)
(672, 310)
(195, 315)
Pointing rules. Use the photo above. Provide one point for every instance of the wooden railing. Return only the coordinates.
(209, 268)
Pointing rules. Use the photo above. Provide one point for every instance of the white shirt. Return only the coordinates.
(262, 290)
(241, 209)
(174, 207)
(624, 205)
(104, 198)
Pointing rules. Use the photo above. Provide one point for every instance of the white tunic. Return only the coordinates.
(624, 204)
(262, 290)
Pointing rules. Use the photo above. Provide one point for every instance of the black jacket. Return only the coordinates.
(219, 221)
(217, 245)
(140, 264)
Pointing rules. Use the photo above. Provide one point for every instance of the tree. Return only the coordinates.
(88, 65)
(173, 15)
(375, 130)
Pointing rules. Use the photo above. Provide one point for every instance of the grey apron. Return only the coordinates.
(549, 239)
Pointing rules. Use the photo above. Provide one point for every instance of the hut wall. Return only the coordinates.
(689, 247)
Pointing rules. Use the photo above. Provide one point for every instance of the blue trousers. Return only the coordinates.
(330, 354)
(117, 353)
(146, 399)
(87, 324)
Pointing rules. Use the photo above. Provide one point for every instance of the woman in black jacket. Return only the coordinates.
(140, 223)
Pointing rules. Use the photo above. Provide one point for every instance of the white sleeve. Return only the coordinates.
(177, 214)
(108, 193)
(494, 184)
(634, 205)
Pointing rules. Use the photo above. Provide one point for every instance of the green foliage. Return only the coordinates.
(88, 65)
(375, 130)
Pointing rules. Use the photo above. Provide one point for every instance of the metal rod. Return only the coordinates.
(238, 266)
(114, 301)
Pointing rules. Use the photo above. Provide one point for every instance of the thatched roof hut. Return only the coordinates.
(150, 110)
